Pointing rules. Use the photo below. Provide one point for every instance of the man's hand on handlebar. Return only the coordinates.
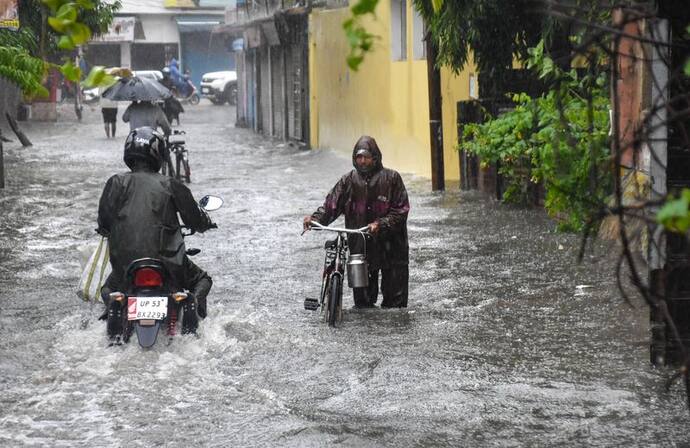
(374, 228)
(306, 225)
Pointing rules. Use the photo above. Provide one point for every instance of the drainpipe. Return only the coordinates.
(270, 92)
(435, 116)
(284, 86)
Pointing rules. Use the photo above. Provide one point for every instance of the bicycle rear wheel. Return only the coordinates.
(167, 167)
(335, 298)
(187, 171)
(178, 165)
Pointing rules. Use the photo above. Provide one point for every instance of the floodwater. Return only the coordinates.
(506, 342)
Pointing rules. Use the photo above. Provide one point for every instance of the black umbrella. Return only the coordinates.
(136, 89)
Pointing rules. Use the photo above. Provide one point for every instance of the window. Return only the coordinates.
(418, 31)
(399, 30)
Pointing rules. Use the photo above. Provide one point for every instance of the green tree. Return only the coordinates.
(494, 32)
(49, 29)
(559, 139)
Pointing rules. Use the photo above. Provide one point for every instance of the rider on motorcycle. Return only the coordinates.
(138, 212)
(172, 108)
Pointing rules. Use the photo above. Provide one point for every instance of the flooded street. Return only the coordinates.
(506, 341)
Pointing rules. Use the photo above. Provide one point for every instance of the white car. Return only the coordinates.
(220, 87)
(153, 75)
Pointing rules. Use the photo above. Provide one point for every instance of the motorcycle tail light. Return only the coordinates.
(117, 296)
(147, 277)
(179, 296)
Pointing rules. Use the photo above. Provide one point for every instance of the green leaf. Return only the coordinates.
(53, 5)
(675, 214)
(687, 68)
(437, 5)
(364, 7)
(57, 24)
(67, 12)
(79, 33)
(98, 78)
(65, 43)
(354, 61)
(85, 4)
(70, 71)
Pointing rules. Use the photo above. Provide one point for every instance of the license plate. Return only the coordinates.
(147, 308)
(204, 90)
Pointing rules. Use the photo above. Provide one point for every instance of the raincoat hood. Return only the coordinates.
(366, 142)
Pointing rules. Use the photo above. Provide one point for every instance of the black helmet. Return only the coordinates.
(144, 143)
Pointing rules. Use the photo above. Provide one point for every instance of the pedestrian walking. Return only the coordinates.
(373, 196)
(145, 113)
(109, 111)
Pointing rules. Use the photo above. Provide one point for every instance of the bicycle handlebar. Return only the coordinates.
(317, 226)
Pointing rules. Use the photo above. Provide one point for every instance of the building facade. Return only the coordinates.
(271, 48)
(147, 34)
(388, 97)
(294, 83)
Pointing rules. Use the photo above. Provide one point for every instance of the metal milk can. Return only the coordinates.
(357, 271)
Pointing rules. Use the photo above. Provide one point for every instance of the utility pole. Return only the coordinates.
(435, 116)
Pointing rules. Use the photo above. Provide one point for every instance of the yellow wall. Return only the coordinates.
(454, 88)
(385, 99)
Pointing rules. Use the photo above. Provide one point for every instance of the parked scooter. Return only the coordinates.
(152, 301)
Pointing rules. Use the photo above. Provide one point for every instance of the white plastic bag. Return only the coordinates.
(95, 273)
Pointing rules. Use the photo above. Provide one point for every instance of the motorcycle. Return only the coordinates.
(151, 301)
(192, 97)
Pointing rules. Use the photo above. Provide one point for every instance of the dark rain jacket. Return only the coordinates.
(138, 211)
(363, 198)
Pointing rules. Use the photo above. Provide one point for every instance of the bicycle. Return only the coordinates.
(331, 298)
(176, 146)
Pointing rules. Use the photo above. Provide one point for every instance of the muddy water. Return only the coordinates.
(507, 342)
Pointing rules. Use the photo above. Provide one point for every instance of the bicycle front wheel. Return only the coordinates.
(335, 299)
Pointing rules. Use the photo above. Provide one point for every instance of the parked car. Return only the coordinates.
(220, 87)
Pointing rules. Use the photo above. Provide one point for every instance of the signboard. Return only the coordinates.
(9, 17)
(121, 30)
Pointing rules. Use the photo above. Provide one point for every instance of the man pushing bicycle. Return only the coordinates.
(375, 197)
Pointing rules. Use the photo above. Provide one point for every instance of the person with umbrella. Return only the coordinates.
(145, 113)
(142, 112)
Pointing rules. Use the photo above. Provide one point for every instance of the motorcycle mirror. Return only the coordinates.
(211, 203)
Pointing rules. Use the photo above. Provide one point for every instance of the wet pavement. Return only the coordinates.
(507, 341)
